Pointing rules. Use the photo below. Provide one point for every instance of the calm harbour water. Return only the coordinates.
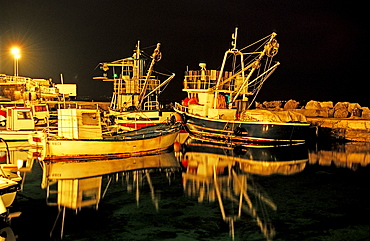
(305, 192)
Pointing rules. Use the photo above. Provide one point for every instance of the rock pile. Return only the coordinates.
(321, 108)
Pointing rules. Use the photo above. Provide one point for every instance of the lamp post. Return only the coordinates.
(17, 55)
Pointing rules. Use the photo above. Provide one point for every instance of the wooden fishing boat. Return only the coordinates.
(135, 102)
(218, 106)
(80, 135)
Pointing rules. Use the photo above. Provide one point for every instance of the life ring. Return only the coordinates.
(178, 118)
(193, 101)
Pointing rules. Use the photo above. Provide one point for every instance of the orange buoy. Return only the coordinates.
(193, 101)
(185, 102)
(176, 146)
(185, 162)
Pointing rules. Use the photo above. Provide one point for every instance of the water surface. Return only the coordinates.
(206, 193)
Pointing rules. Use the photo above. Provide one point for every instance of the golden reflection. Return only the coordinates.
(79, 184)
(16, 160)
(350, 155)
(226, 174)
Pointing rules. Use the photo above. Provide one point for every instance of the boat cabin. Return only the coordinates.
(19, 118)
(79, 124)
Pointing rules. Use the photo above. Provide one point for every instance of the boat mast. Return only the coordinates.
(270, 49)
(156, 56)
(137, 70)
(234, 51)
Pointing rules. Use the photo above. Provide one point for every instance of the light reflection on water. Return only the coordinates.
(204, 193)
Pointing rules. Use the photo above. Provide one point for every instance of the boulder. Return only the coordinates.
(353, 106)
(327, 104)
(341, 113)
(291, 104)
(313, 105)
(365, 113)
(340, 105)
(272, 104)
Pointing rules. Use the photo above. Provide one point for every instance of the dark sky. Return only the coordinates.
(322, 51)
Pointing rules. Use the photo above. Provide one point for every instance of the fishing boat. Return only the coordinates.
(135, 102)
(19, 90)
(81, 134)
(218, 105)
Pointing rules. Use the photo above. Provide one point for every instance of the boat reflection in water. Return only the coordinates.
(79, 184)
(16, 160)
(226, 174)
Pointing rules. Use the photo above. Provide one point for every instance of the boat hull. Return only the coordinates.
(21, 135)
(134, 120)
(142, 143)
(239, 132)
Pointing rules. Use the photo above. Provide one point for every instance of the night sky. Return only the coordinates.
(323, 48)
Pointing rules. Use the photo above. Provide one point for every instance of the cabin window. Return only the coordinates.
(23, 115)
(90, 119)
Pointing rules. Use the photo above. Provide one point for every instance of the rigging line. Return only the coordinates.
(152, 46)
(260, 86)
(157, 72)
(250, 55)
(160, 66)
(256, 42)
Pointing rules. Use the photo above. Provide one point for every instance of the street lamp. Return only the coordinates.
(16, 53)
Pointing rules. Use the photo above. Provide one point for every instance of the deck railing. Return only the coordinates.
(206, 79)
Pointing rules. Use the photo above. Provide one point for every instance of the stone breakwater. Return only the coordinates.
(340, 121)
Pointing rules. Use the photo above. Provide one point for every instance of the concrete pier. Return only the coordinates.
(342, 128)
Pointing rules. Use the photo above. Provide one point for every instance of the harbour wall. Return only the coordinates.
(342, 121)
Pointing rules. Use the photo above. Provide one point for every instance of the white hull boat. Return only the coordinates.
(80, 136)
(135, 145)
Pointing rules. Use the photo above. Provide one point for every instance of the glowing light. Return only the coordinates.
(17, 54)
